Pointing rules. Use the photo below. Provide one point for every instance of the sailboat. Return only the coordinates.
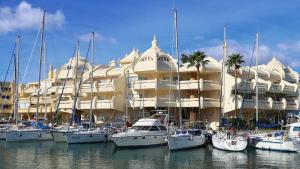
(92, 135)
(35, 133)
(7, 124)
(59, 133)
(221, 140)
(184, 138)
(269, 141)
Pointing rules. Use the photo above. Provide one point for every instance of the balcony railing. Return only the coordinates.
(204, 85)
(154, 84)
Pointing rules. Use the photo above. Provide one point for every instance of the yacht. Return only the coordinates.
(225, 142)
(294, 133)
(184, 139)
(145, 132)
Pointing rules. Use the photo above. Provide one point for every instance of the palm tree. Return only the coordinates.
(235, 60)
(196, 59)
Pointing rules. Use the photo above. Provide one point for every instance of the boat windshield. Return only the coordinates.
(141, 127)
(195, 132)
(296, 129)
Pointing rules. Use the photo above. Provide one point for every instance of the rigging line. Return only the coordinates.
(64, 84)
(248, 78)
(6, 73)
(80, 82)
(31, 54)
(170, 77)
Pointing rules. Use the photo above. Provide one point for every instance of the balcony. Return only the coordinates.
(292, 104)
(204, 85)
(109, 86)
(265, 103)
(276, 88)
(289, 88)
(105, 104)
(262, 87)
(69, 89)
(154, 84)
(152, 102)
(66, 104)
(204, 102)
(279, 104)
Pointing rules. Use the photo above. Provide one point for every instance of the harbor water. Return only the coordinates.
(29, 155)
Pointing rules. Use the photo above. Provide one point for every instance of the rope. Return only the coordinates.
(31, 54)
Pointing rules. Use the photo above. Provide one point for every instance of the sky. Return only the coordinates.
(121, 25)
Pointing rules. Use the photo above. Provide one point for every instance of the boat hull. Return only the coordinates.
(75, 138)
(28, 135)
(139, 141)
(59, 136)
(221, 142)
(185, 142)
(274, 145)
(2, 134)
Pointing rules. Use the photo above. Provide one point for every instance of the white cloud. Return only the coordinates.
(287, 53)
(98, 37)
(26, 17)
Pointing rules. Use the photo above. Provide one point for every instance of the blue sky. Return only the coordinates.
(123, 24)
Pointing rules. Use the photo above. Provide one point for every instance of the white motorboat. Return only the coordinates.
(145, 132)
(223, 141)
(90, 136)
(28, 134)
(273, 141)
(185, 139)
(294, 133)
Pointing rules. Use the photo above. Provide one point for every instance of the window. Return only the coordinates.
(154, 128)
(146, 58)
(162, 128)
(131, 80)
(145, 128)
(296, 129)
(163, 58)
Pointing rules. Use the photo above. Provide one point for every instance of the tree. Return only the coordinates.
(234, 61)
(196, 59)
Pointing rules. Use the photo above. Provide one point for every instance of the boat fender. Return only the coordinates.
(285, 138)
(191, 138)
(105, 135)
(91, 135)
(39, 134)
(20, 134)
(144, 136)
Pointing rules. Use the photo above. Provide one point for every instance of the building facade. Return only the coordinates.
(145, 82)
(7, 99)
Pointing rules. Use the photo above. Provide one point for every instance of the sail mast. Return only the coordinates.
(75, 70)
(91, 81)
(222, 105)
(178, 66)
(45, 83)
(17, 59)
(257, 54)
(40, 67)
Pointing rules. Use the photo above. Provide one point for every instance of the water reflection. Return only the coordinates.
(152, 157)
(60, 155)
